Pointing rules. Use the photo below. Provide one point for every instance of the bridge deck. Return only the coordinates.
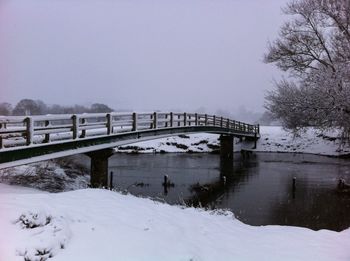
(29, 139)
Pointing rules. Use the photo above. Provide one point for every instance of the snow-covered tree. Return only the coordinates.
(5, 109)
(314, 48)
(30, 107)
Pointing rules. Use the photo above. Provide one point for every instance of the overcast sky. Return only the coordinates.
(138, 54)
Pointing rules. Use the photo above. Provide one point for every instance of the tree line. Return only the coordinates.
(38, 107)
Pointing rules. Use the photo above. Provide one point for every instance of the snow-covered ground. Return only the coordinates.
(273, 139)
(94, 224)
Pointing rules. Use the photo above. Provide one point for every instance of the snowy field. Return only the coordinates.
(94, 224)
(273, 139)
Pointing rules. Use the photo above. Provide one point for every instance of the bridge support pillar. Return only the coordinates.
(226, 146)
(99, 167)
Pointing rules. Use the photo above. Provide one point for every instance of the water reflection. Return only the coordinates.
(258, 188)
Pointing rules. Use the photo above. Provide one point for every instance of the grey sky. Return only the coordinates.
(138, 54)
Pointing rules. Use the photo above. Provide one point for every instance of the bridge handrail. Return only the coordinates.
(27, 130)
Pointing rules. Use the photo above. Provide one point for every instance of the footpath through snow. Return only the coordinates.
(94, 224)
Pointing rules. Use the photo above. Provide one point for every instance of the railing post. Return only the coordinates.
(258, 128)
(83, 132)
(47, 135)
(155, 120)
(206, 119)
(196, 119)
(166, 120)
(185, 118)
(228, 124)
(134, 121)
(1, 143)
(29, 130)
(214, 120)
(178, 122)
(171, 119)
(221, 122)
(109, 124)
(75, 126)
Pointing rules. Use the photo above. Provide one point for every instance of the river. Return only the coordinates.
(257, 189)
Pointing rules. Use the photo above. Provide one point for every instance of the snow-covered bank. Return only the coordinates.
(273, 139)
(102, 225)
(57, 175)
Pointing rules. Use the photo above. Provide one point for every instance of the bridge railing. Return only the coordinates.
(27, 130)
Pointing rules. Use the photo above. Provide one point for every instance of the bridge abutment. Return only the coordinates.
(226, 146)
(99, 167)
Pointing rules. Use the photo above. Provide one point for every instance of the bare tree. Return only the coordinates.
(30, 107)
(314, 48)
(5, 109)
(100, 107)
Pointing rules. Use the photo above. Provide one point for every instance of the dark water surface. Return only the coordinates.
(258, 190)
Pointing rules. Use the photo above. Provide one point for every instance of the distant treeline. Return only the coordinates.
(38, 107)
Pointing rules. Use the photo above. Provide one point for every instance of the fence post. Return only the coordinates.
(178, 122)
(109, 124)
(214, 120)
(196, 119)
(29, 130)
(221, 122)
(47, 135)
(185, 118)
(171, 119)
(75, 128)
(1, 143)
(228, 124)
(206, 119)
(155, 120)
(134, 121)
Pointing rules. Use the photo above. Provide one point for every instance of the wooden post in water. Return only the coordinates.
(294, 184)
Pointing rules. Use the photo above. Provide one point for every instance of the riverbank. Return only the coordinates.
(94, 224)
(273, 139)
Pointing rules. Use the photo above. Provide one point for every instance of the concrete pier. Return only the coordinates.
(226, 146)
(99, 167)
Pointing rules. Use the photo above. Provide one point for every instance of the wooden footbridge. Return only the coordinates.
(28, 139)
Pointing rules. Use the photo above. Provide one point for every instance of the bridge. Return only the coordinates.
(29, 139)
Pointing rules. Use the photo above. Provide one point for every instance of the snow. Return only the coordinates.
(273, 139)
(94, 224)
(182, 143)
(53, 175)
